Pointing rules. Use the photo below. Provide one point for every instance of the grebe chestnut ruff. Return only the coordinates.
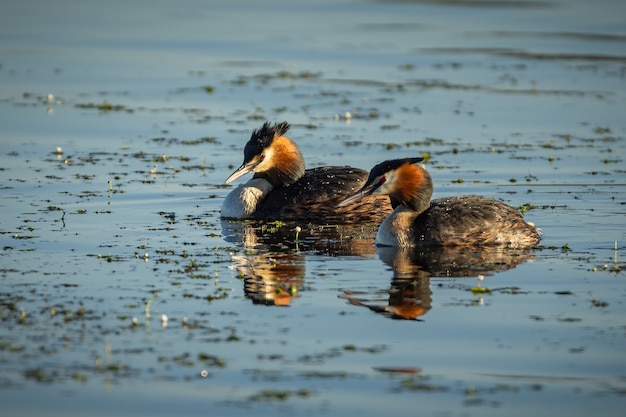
(455, 221)
(281, 188)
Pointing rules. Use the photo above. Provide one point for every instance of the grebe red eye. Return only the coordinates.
(382, 179)
(262, 157)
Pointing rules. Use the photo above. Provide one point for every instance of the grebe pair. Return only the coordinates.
(282, 189)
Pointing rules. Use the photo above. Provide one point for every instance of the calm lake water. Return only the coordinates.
(123, 292)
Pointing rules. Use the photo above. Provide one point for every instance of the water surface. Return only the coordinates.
(151, 104)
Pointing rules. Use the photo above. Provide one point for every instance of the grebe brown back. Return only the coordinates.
(281, 188)
(456, 221)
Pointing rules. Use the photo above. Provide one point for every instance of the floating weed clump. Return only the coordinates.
(41, 376)
(525, 207)
(278, 395)
(199, 141)
(417, 383)
(336, 352)
(109, 258)
(169, 216)
(7, 347)
(211, 360)
(183, 359)
(103, 107)
(324, 375)
(280, 75)
(82, 378)
(218, 294)
(597, 303)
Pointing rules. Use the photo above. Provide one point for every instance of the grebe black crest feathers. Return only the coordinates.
(262, 138)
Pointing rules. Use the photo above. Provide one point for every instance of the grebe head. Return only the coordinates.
(404, 182)
(271, 155)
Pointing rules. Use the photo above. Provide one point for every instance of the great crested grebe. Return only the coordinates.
(281, 188)
(455, 221)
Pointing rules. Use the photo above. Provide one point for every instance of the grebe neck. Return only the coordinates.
(397, 228)
(413, 188)
(279, 177)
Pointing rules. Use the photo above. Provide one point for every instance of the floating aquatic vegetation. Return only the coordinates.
(104, 107)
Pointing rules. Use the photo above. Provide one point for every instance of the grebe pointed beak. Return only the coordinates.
(368, 189)
(241, 171)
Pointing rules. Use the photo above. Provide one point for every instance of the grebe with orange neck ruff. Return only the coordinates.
(282, 189)
(455, 221)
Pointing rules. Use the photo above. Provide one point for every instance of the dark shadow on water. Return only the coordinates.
(272, 264)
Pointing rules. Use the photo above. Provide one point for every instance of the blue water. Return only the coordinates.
(524, 102)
